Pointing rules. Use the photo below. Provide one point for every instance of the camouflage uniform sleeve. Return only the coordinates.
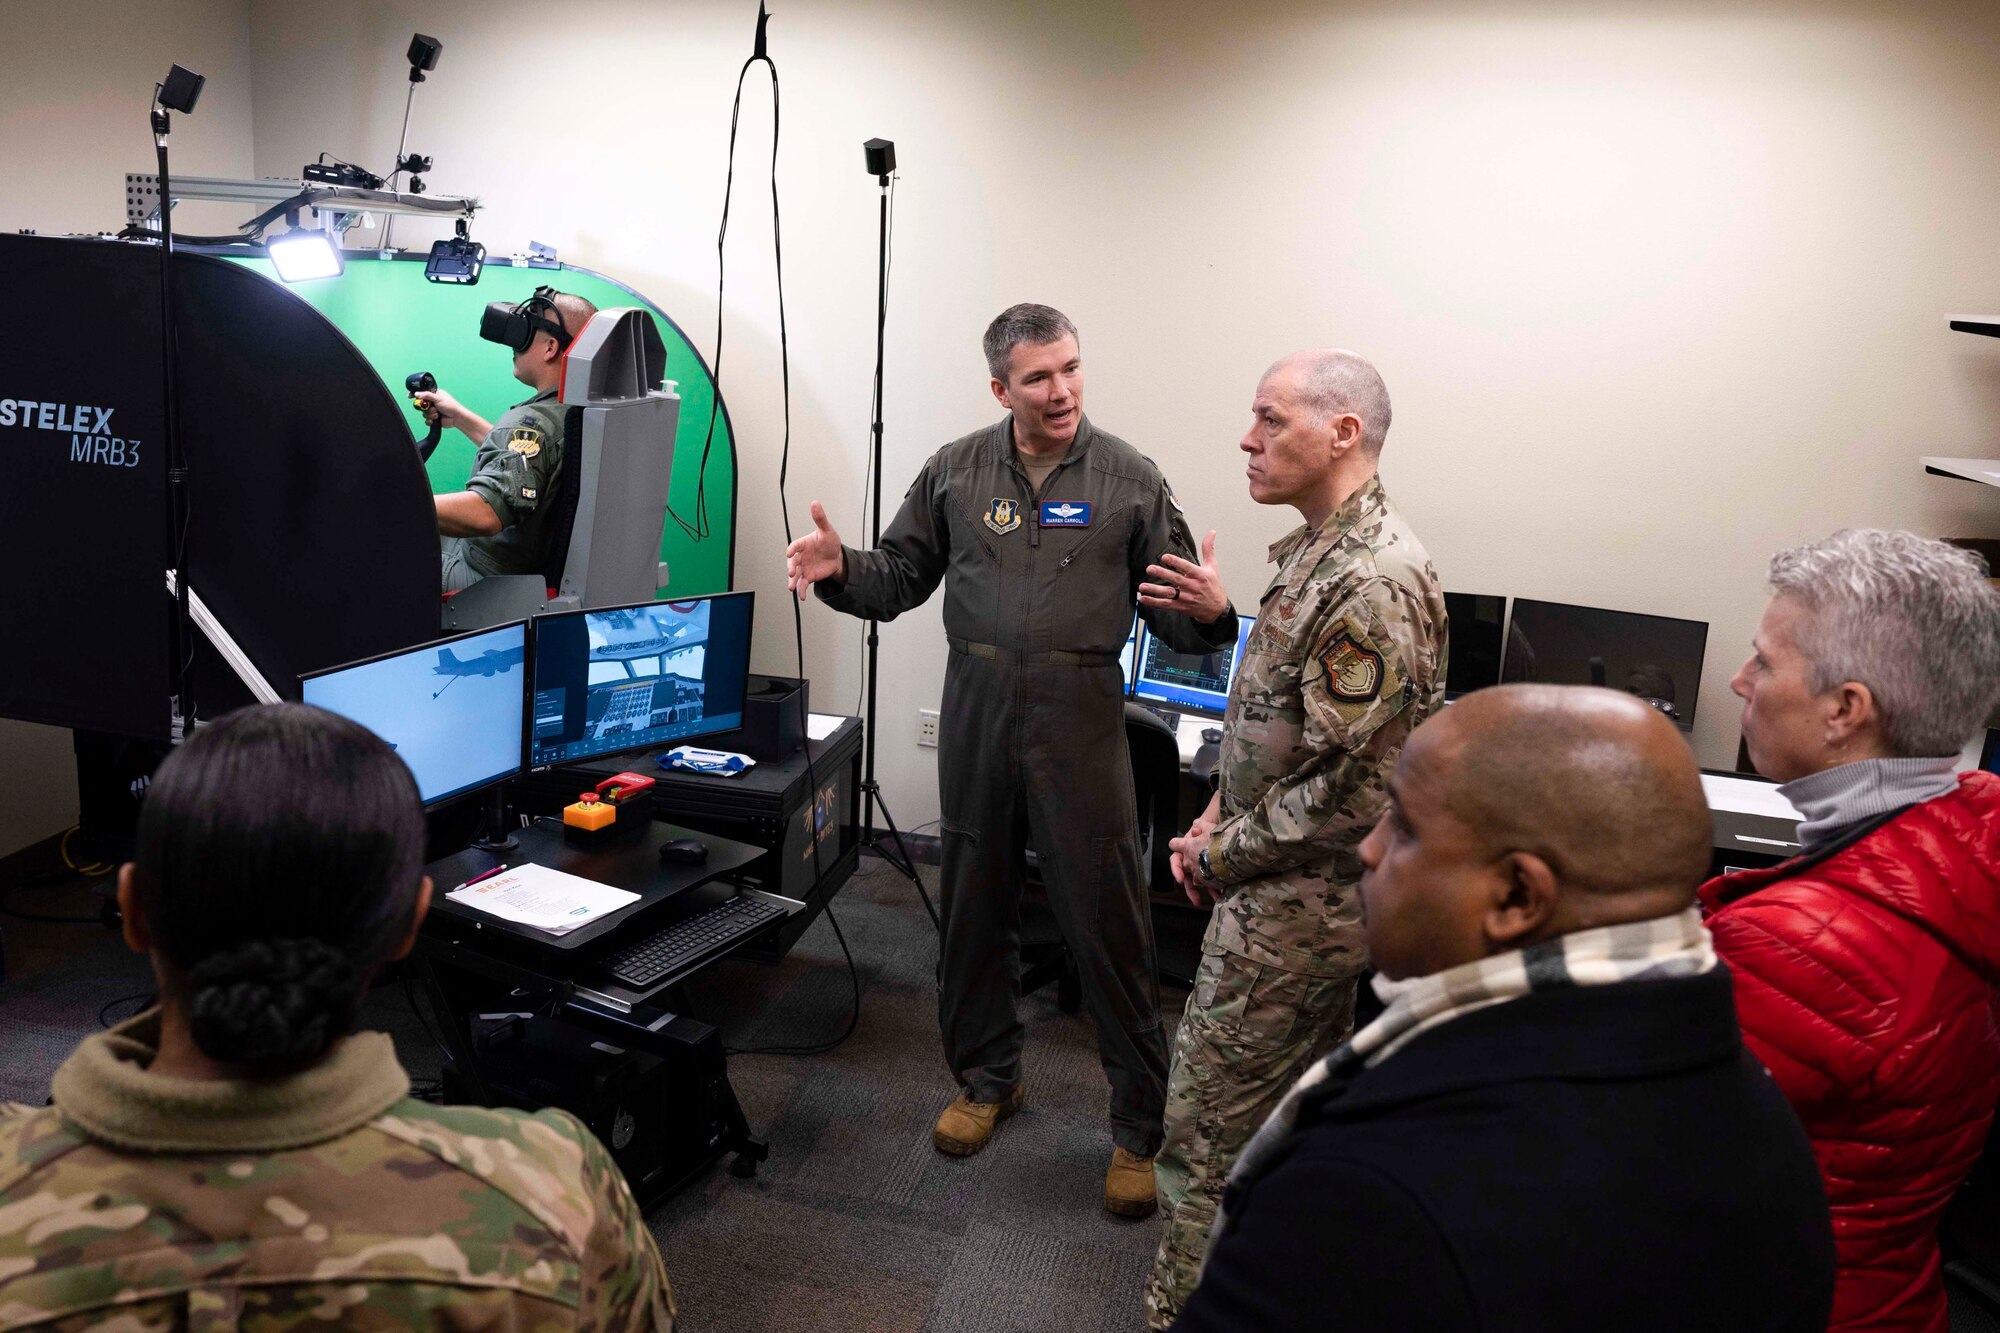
(1164, 529)
(515, 465)
(1355, 686)
(625, 1287)
(906, 568)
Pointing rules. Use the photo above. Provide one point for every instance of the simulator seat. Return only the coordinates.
(610, 497)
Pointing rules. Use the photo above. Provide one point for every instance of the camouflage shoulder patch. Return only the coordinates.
(1353, 669)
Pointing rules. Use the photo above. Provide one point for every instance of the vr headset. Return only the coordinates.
(515, 326)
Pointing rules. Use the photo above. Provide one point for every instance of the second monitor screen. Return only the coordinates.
(1657, 658)
(636, 676)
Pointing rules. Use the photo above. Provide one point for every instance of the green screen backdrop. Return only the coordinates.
(403, 324)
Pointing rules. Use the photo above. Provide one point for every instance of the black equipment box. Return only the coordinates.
(664, 1119)
(774, 805)
(774, 718)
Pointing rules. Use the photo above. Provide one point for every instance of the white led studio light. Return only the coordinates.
(301, 256)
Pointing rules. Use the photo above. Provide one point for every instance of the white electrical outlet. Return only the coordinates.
(927, 720)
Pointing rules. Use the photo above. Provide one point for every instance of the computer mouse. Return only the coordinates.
(1213, 735)
(684, 851)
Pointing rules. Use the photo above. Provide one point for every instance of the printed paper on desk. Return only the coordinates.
(821, 725)
(534, 895)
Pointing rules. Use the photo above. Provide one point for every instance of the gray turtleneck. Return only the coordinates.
(1836, 798)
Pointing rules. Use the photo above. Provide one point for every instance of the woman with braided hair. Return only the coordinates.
(238, 1156)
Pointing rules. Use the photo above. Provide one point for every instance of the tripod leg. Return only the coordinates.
(897, 856)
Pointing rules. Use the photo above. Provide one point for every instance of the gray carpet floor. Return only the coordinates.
(855, 1222)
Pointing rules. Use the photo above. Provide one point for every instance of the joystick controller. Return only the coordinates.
(425, 382)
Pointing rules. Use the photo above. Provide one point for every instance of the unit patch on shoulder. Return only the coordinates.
(525, 441)
(527, 492)
(1003, 515)
(1353, 670)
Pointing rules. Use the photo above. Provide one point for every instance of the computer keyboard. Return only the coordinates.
(1166, 715)
(649, 961)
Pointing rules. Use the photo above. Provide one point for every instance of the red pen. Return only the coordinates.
(484, 874)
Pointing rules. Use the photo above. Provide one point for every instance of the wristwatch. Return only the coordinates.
(1201, 859)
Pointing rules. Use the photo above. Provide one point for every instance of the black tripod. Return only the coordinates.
(881, 156)
(177, 92)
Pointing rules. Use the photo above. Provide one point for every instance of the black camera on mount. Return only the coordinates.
(458, 260)
(180, 90)
(341, 173)
(413, 166)
(423, 57)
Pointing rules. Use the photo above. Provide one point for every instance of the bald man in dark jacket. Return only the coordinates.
(1554, 1125)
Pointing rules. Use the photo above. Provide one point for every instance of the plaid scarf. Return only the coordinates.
(1666, 946)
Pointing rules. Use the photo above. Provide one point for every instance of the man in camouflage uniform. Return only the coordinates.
(1347, 657)
(499, 524)
(318, 1200)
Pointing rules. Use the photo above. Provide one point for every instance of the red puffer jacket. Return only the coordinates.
(1864, 981)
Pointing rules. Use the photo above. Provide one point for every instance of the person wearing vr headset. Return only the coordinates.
(499, 524)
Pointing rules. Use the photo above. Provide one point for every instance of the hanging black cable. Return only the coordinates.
(698, 530)
(761, 52)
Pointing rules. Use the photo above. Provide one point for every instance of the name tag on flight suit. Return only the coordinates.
(1065, 513)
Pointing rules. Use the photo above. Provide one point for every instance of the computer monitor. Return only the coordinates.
(1657, 658)
(1199, 681)
(629, 677)
(1477, 625)
(1989, 757)
(454, 710)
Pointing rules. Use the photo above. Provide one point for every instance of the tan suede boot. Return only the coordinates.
(1128, 1185)
(966, 1125)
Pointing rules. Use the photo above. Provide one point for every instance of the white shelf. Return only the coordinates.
(1986, 471)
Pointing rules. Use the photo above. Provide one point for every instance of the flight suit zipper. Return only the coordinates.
(1077, 549)
(972, 526)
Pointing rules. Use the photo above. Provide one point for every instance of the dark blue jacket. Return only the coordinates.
(1593, 1158)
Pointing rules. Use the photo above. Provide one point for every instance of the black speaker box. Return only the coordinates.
(774, 717)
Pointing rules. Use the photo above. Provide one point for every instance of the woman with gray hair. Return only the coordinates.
(1864, 967)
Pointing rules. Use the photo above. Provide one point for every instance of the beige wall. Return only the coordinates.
(72, 123)
(1657, 289)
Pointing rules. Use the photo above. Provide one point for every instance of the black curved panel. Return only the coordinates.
(312, 533)
(83, 518)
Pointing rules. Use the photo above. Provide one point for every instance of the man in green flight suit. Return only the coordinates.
(1043, 530)
(1347, 657)
(500, 522)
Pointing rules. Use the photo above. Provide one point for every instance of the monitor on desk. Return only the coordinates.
(1475, 624)
(630, 677)
(1989, 756)
(1198, 681)
(453, 710)
(1657, 658)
